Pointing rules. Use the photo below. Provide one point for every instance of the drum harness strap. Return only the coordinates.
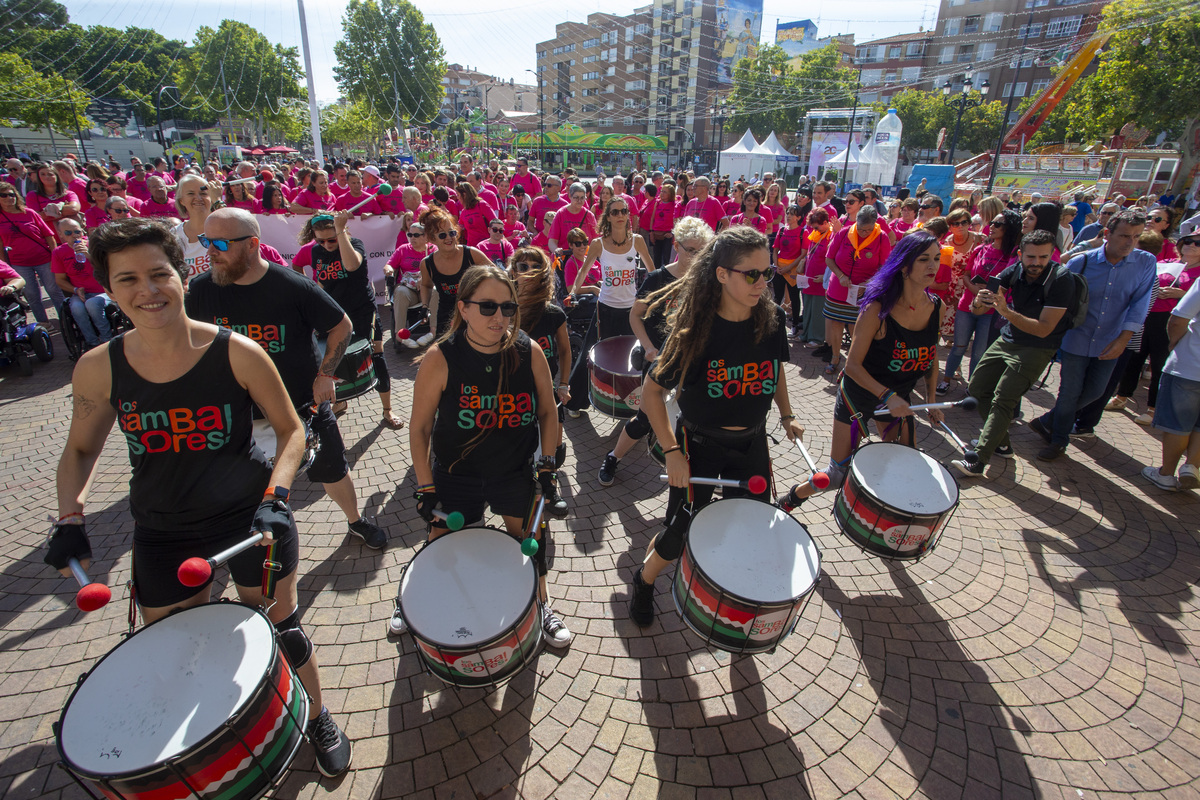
(858, 426)
(271, 570)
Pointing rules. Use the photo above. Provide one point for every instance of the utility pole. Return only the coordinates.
(541, 121)
(1012, 95)
(850, 138)
(314, 116)
(158, 110)
(228, 103)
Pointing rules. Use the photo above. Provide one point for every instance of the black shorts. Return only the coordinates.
(509, 495)
(865, 402)
(158, 554)
(330, 465)
(613, 321)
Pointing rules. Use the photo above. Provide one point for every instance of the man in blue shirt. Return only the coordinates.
(1082, 209)
(1120, 278)
(1096, 229)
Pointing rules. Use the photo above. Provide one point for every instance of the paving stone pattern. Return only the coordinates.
(1044, 649)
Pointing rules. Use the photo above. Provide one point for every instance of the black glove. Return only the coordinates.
(547, 476)
(67, 541)
(426, 503)
(273, 517)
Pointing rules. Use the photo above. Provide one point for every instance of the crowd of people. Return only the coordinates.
(716, 280)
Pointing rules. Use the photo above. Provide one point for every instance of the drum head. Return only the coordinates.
(754, 550)
(166, 688)
(905, 479)
(467, 587)
(612, 355)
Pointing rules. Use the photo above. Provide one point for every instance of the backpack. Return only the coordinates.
(1077, 313)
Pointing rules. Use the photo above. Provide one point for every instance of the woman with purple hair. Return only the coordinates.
(894, 347)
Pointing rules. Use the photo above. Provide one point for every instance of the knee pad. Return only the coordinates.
(295, 642)
(638, 426)
(381, 373)
(669, 544)
(836, 473)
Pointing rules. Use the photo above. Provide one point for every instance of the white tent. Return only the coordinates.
(771, 144)
(745, 157)
(839, 162)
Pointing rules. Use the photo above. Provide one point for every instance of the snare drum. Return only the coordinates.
(615, 386)
(745, 575)
(470, 601)
(896, 501)
(201, 703)
(355, 375)
(264, 437)
(652, 441)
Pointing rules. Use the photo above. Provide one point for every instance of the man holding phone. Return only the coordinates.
(1039, 294)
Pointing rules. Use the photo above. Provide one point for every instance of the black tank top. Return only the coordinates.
(447, 288)
(903, 356)
(500, 432)
(194, 465)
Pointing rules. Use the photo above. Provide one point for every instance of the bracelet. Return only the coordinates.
(424, 488)
(888, 395)
(786, 417)
(671, 449)
(564, 386)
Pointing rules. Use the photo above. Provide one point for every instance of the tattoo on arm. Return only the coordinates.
(334, 357)
(83, 406)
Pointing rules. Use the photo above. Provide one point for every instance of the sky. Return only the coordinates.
(498, 38)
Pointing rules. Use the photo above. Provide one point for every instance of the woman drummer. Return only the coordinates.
(482, 401)
(196, 492)
(442, 271)
(894, 347)
(618, 251)
(724, 354)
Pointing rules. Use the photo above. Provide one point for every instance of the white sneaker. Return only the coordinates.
(396, 625)
(425, 340)
(1189, 477)
(1167, 483)
(556, 632)
(1146, 419)
(411, 344)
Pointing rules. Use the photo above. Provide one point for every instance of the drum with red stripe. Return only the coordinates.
(896, 501)
(201, 703)
(470, 601)
(615, 387)
(745, 574)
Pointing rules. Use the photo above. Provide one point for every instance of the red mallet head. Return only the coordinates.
(194, 572)
(404, 333)
(820, 480)
(757, 484)
(92, 597)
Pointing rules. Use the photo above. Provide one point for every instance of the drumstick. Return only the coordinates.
(195, 571)
(968, 403)
(756, 484)
(961, 444)
(90, 596)
(819, 480)
(529, 546)
(453, 520)
(383, 191)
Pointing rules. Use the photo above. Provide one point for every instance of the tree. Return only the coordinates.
(35, 99)
(769, 94)
(354, 126)
(392, 59)
(1146, 76)
(17, 16)
(924, 114)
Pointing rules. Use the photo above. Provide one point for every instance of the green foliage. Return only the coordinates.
(258, 74)
(458, 133)
(17, 16)
(769, 94)
(355, 126)
(391, 58)
(1147, 74)
(924, 114)
(33, 98)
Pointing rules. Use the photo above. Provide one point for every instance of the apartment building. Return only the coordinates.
(894, 64)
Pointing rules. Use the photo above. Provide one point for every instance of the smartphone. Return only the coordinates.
(993, 284)
(979, 280)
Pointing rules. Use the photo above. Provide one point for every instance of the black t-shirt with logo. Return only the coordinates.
(351, 290)
(1054, 289)
(656, 321)
(281, 311)
(733, 383)
(903, 356)
(544, 332)
(481, 429)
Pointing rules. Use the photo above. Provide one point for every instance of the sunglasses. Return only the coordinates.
(522, 267)
(752, 276)
(578, 244)
(928, 206)
(1159, 219)
(412, 235)
(962, 223)
(319, 240)
(488, 307)
(1192, 242)
(7, 196)
(496, 230)
(114, 210)
(222, 244)
(448, 234)
(619, 212)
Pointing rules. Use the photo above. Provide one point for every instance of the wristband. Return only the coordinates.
(671, 449)
(888, 395)
(786, 417)
(427, 487)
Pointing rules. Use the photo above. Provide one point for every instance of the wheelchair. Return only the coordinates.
(72, 335)
(19, 339)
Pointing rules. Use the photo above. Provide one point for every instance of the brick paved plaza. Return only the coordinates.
(1045, 649)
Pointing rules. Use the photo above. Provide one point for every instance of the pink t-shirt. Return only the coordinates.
(533, 186)
(153, 209)
(789, 243)
(566, 221)
(542, 206)
(571, 270)
(1185, 281)
(7, 274)
(253, 206)
(303, 257)
(79, 187)
(62, 262)
(24, 236)
(489, 197)
(732, 207)
(348, 201)
(900, 227)
(94, 217)
(407, 258)
(986, 260)
(321, 202)
(665, 215)
(392, 203)
(36, 202)
(514, 232)
(475, 222)
(814, 268)
(759, 223)
(336, 189)
(497, 252)
(859, 269)
(711, 210)
(137, 188)
(777, 211)
(271, 254)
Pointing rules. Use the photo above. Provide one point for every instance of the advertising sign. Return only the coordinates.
(739, 26)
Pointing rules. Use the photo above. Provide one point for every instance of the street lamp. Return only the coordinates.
(487, 115)
(158, 109)
(396, 95)
(962, 102)
(717, 111)
(850, 136)
(541, 121)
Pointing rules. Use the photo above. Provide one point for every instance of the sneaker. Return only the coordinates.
(396, 625)
(1117, 403)
(1167, 483)
(789, 502)
(969, 468)
(1051, 452)
(1037, 427)
(608, 470)
(372, 535)
(1078, 434)
(573, 413)
(1004, 450)
(1189, 477)
(333, 748)
(425, 340)
(556, 505)
(943, 388)
(1146, 419)
(641, 601)
(556, 632)
(411, 344)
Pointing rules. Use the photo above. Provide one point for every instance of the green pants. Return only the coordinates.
(1003, 376)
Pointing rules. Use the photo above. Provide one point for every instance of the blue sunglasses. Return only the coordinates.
(222, 244)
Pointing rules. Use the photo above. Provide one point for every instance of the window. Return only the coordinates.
(956, 3)
(590, 59)
(992, 22)
(1166, 169)
(608, 106)
(947, 55)
(1063, 26)
(630, 102)
(1027, 63)
(610, 37)
(606, 123)
(910, 74)
(590, 76)
(627, 121)
(1137, 169)
(541, 53)
(587, 108)
(889, 77)
(628, 52)
(1008, 89)
(635, 86)
(872, 77)
(611, 72)
(591, 42)
(985, 51)
(971, 25)
(916, 49)
(1036, 3)
(967, 54)
(1030, 31)
(1039, 86)
(590, 92)
(566, 48)
(953, 26)
(894, 51)
(642, 29)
